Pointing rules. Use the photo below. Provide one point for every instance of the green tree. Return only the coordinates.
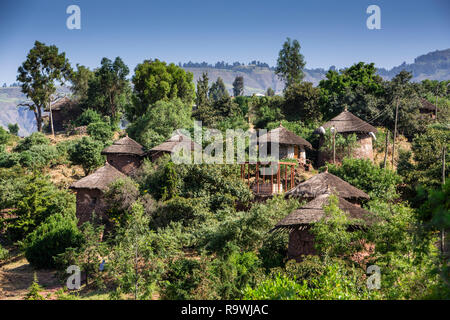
(290, 63)
(4, 136)
(109, 90)
(13, 129)
(34, 290)
(87, 153)
(133, 263)
(153, 81)
(270, 92)
(218, 90)
(160, 121)
(80, 82)
(302, 102)
(238, 86)
(38, 74)
(100, 131)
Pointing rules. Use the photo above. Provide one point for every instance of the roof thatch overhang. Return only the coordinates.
(347, 122)
(100, 179)
(313, 212)
(324, 183)
(282, 135)
(126, 145)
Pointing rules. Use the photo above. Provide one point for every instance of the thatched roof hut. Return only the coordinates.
(285, 137)
(60, 104)
(126, 145)
(176, 141)
(100, 179)
(313, 212)
(324, 183)
(427, 105)
(346, 122)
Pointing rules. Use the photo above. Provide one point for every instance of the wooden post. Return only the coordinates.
(51, 115)
(278, 178)
(334, 146)
(386, 149)
(271, 178)
(285, 178)
(257, 178)
(248, 175)
(395, 134)
(443, 182)
(292, 177)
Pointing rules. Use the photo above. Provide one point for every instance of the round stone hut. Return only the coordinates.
(324, 183)
(347, 123)
(125, 155)
(90, 190)
(290, 145)
(176, 142)
(298, 223)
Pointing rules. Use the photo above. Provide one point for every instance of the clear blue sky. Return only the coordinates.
(330, 32)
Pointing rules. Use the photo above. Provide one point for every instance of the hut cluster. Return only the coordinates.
(125, 155)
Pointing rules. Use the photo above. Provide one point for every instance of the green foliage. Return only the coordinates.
(427, 149)
(100, 131)
(38, 74)
(109, 90)
(39, 156)
(365, 175)
(302, 102)
(57, 233)
(182, 277)
(4, 136)
(290, 63)
(238, 86)
(345, 144)
(218, 90)
(87, 153)
(80, 83)
(266, 110)
(34, 290)
(154, 81)
(4, 254)
(39, 199)
(133, 264)
(36, 138)
(87, 117)
(13, 129)
(160, 121)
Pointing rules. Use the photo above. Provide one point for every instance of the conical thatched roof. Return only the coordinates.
(126, 145)
(427, 105)
(60, 104)
(348, 122)
(313, 211)
(100, 179)
(285, 137)
(323, 183)
(176, 140)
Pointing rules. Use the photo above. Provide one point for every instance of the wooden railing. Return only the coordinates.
(280, 174)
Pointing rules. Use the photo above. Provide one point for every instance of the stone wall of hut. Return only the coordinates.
(301, 242)
(364, 150)
(124, 163)
(89, 201)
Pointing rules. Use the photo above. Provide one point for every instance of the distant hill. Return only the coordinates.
(257, 78)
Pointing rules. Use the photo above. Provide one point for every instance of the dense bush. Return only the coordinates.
(87, 117)
(100, 131)
(365, 175)
(4, 254)
(38, 199)
(39, 156)
(52, 237)
(4, 136)
(36, 138)
(87, 153)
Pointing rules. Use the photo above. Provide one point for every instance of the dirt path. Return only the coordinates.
(16, 276)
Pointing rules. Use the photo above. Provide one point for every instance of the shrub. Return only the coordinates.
(100, 131)
(52, 237)
(87, 153)
(36, 138)
(13, 129)
(4, 136)
(39, 156)
(4, 254)
(87, 117)
(363, 174)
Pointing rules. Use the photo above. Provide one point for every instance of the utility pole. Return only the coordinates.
(386, 149)
(395, 134)
(51, 115)
(334, 144)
